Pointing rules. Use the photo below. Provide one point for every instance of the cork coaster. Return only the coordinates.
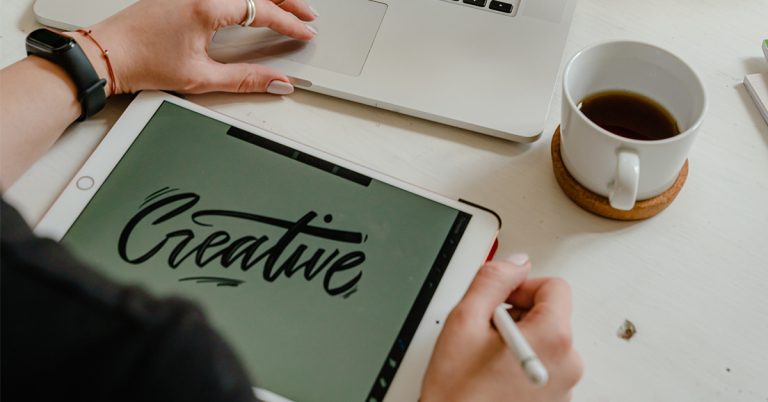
(599, 205)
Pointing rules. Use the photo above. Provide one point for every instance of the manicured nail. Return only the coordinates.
(278, 87)
(519, 259)
(312, 29)
(313, 11)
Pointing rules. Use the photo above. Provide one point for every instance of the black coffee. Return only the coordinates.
(630, 115)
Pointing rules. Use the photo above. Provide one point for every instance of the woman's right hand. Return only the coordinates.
(162, 44)
(471, 362)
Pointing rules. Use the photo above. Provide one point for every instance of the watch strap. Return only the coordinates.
(90, 88)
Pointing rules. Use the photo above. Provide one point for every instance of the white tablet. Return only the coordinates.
(331, 281)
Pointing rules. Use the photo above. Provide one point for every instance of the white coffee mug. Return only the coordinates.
(627, 170)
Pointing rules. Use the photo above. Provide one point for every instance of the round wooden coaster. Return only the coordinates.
(599, 205)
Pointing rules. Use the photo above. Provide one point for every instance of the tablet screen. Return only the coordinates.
(318, 276)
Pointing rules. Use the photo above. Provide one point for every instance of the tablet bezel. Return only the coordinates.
(471, 252)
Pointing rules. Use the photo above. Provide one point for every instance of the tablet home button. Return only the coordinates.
(85, 183)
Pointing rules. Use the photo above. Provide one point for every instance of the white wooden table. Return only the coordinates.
(694, 279)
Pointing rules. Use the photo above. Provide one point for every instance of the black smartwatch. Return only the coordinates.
(66, 53)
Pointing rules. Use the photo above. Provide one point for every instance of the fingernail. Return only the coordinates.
(313, 11)
(519, 259)
(312, 29)
(277, 87)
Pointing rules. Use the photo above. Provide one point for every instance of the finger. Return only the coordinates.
(492, 285)
(271, 16)
(298, 8)
(550, 291)
(243, 77)
(547, 301)
(224, 13)
(549, 319)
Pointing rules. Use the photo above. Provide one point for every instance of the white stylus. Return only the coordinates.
(514, 339)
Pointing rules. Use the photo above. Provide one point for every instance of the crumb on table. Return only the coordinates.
(627, 330)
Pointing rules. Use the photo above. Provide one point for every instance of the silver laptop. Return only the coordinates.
(484, 65)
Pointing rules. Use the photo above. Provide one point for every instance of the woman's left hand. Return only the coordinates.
(162, 44)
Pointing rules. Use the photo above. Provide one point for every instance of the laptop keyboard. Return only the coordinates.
(507, 7)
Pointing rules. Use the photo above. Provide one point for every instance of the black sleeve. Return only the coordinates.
(67, 333)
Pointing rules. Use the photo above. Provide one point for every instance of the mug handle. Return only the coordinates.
(624, 191)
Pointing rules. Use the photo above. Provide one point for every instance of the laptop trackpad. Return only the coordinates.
(346, 33)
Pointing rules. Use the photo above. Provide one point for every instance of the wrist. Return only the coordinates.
(97, 59)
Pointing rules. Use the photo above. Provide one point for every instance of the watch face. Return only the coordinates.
(53, 41)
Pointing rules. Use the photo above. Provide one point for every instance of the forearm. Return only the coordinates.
(159, 44)
(38, 101)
